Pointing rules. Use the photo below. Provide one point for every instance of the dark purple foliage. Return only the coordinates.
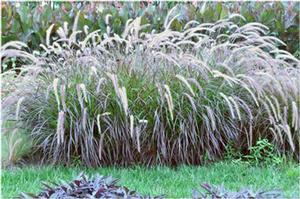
(211, 191)
(83, 187)
(106, 187)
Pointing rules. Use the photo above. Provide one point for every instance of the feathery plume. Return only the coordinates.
(131, 125)
(183, 80)
(60, 127)
(18, 107)
(55, 87)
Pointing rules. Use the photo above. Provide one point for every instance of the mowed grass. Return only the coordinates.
(153, 181)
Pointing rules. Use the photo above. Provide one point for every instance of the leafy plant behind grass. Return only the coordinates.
(261, 154)
(155, 98)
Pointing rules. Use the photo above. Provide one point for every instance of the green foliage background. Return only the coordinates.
(28, 21)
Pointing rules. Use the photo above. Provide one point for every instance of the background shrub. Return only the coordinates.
(28, 21)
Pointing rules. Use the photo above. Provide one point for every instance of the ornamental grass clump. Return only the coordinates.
(155, 98)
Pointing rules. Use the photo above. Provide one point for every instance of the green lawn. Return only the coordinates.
(162, 180)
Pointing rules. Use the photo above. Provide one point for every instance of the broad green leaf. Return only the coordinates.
(176, 25)
(219, 10)
(117, 25)
(24, 13)
(224, 13)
